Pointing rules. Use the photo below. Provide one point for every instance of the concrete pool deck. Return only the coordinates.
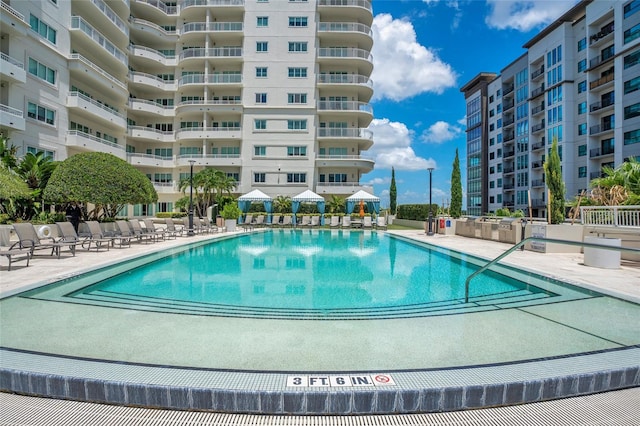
(419, 391)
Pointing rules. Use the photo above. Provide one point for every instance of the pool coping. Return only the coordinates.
(415, 391)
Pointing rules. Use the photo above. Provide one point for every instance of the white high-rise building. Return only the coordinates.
(578, 82)
(273, 93)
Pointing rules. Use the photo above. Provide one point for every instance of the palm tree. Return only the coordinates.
(35, 170)
(209, 187)
(618, 186)
(335, 204)
(8, 153)
(282, 204)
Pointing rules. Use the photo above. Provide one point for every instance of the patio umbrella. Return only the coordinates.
(361, 209)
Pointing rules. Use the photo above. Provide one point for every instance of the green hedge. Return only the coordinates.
(416, 211)
(173, 215)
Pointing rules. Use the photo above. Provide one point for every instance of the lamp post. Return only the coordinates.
(430, 231)
(523, 223)
(190, 232)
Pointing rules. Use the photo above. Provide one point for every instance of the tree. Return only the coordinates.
(282, 204)
(8, 153)
(104, 180)
(553, 175)
(618, 186)
(335, 205)
(456, 189)
(35, 170)
(393, 193)
(12, 188)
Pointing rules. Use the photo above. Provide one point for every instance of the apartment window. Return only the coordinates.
(499, 168)
(582, 44)
(492, 113)
(582, 129)
(190, 150)
(498, 108)
(632, 59)
(44, 30)
(42, 71)
(261, 71)
(163, 152)
(162, 177)
(260, 151)
(41, 113)
(47, 154)
(492, 170)
(261, 98)
(582, 150)
(492, 141)
(297, 72)
(582, 107)
(499, 182)
(582, 172)
(631, 8)
(582, 86)
(297, 98)
(491, 99)
(492, 127)
(297, 124)
(582, 65)
(262, 46)
(632, 33)
(632, 137)
(632, 111)
(337, 177)
(632, 85)
(298, 21)
(492, 155)
(190, 124)
(163, 207)
(492, 184)
(297, 46)
(262, 21)
(297, 151)
(259, 177)
(260, 124)
(296, 177)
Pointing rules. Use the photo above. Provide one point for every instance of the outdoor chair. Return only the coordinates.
(28, 238)
(346, 221)
(259, 221)
(123, 233)
(315, 221)
(247, 223)
(275, 220)
(156, 232)
(210, 226)
(367, 222)
(335, 222)
(96, 236)
(173, 229)
(67, 233)
(286, 221)
(381, 222)
(15, 253)
(140, 233)
(306, 221)
(198, 226)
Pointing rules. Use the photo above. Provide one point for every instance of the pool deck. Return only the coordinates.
(447, 390)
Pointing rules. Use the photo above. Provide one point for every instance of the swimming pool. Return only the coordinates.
(269, 304)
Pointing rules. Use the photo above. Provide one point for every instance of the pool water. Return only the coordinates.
(310, 300)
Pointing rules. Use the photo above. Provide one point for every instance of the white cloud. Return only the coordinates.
(463, 121)
(403, 67)
(392, 147)
(524, 15)
(441, 131)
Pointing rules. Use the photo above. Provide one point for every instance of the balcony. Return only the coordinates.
(601, 35)
(158, 6)
(538, 202)
(83, 69)
(601, 81)
(333, 33)
(192, 9)
(216, 160)
(537, 92)
(340, 80)
(537, 183)
(151, 134)
(507, 90)
(147, 30)
(600, 128)
(209, 27)
(537, 146)
(165, 187)
(11, 118)
(604, 103)
(538, 109)
(136, 159)
(87, 142)
(105, 17)
(12, 70)
(537, 73)
(507, 105)
(150, 80)
(508, 137)
(217, 105)
(143, 52)
(538, 127)
(150, 107)
(349, 106)
(349, 161)
(508, 122)
(506, 154)
(209, 133)
(342, 4)
(90, 38)
(507, 170)
(200, 79)
(602, 152)
(508, 186)
(95, 110)
(349, 56)
(537, 164)
(13, 21)
(211, 53)
(596, 175)
(341, 188)
(601, 59)
(363, 136)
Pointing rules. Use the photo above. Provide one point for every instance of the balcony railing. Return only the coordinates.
(143, 22)
(345, 27)
(537, 73)
(509, 137)
(344, 52)
(599, 152)
(599, 128)
(507, 89)
(508, 186)
(537, 164)
(12, 11)
(604, 31)
(619, 216)
(508, 154)
(112, 16)
(538, 145)
(538, 109)
(12, 61)
(508, 121)
(601, 104)
(11, 111)
(507, 170)
(538, 127)
(99, 71)
(169, 10)
(344, 79)
(97, 104)
(596, 175)
(601, 59)
(212, 27)
(345, 106)
(537, 92)
(537, 183)
(345, 133)
(366, 4)
(189, 3)
(214, 52)
(602, 80)
(77, 23)
(95, 139)
(507, 105)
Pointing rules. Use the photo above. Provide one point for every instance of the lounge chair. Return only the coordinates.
(140, 233)
(123, 233)
(173, 229)
(367, 223)
(209, 225)
(199, 227)
(67, 233)
(157, 232)
(315, 221)
(286, 221)
(346, 221)
(15, 253)
(335, 222)
(247, 223)
(28, 238)
(97, 237)
(381, 222)
(259, 221)
(275, 220)
(306, 221)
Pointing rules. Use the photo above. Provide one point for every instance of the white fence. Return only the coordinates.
(615, 216)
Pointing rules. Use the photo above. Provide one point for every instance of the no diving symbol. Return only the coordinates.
(383, 380)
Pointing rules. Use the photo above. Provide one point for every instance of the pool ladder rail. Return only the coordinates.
(539, 239)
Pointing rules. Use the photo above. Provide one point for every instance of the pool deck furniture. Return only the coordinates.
(306, 221)
(315, 221)
(28, 238)
(346, 221)
(275, 220)
(158, 233)
(173, 229)
(15, 253)
(335, 222)
(367, 223)
(139, 233)
(259, 221)
(286, 221)
(381, 222)
(96, 236)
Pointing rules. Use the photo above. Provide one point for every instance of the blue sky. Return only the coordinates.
(424, 51)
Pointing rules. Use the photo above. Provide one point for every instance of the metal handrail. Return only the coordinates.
(542, 239)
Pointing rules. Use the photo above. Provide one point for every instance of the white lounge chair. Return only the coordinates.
(335, 222)
(346, 221)
(381, 222)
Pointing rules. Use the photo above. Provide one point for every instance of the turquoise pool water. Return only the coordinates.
(310, 300)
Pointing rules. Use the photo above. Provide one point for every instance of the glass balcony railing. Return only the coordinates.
(77, 23)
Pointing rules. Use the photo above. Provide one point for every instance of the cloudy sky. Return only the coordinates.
(424, 51)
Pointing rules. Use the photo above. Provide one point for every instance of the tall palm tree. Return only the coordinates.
(35, 170)
(282, 204)
(336, 204)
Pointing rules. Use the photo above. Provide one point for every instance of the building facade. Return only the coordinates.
(273, 93)
(578, 83)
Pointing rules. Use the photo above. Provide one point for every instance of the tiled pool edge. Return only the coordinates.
(416, 399)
